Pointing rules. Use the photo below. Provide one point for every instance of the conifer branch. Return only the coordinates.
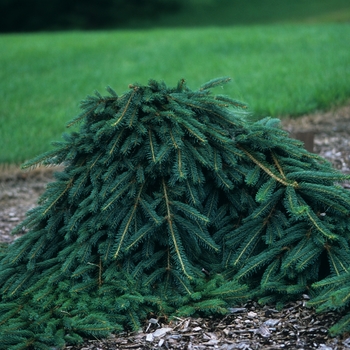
(181, 173)
(234, 151)
(307, 259)
(119, 194)
(135, 89)
(127, 226)
(267, 170)
(190, 191)
(176, 146)
(224, 180)
(117, 139)
(318, 225)
(169, 219)
(99, 265)
(295, 254)
(248, 245)
(182, 283)
(206, 111)
(14, 309)
(206, 241)
(140, 236)
(132, 119)
(100, 281)
(19, 285)
(261, 211)
(80, 117)
(270, 271)
(38, 248)
(278, 165)
(18, 255)
(45, 159)
(151, 145)
(191, 130)
(340, 327)
(335, 261)
(108, 249)
(69, 185)
(151, 213)
(215, 82)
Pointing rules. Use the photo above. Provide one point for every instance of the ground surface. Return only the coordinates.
(249, 327)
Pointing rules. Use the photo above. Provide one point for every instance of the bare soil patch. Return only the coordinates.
(248, 327)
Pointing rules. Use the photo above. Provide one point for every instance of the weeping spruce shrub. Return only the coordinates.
(171, 202)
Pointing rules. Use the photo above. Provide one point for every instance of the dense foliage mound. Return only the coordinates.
(171, 202)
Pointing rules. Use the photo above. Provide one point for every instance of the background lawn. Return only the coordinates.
(278, 69)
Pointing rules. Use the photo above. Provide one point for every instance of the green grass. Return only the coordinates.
(277, 69)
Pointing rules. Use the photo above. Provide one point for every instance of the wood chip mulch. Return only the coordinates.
(248, 327)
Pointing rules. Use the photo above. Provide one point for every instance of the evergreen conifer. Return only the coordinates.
(172, 202)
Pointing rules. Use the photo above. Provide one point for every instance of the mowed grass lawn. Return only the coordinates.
(277, 69)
